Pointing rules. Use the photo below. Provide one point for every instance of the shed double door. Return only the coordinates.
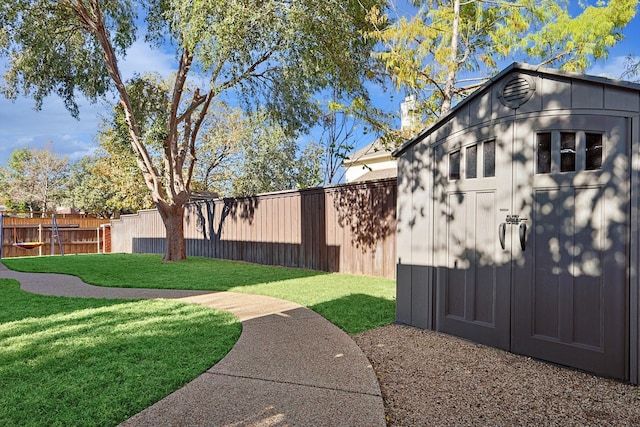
(530, 242)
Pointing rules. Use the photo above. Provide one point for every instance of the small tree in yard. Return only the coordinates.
(270, 161)
(34, 179)
(271, 52)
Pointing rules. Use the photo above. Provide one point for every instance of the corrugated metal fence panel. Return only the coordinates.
(347, 228)
(143, 232)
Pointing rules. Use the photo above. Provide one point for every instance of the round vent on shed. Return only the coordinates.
(516, 90)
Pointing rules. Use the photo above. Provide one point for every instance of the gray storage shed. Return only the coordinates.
(518, 220)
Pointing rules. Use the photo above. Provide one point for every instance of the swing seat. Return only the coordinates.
(28, 245)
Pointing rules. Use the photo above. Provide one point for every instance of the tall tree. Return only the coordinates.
(220, 138)
(87, 190)
(450, 47)
(272, 52)
(34, 178)
(270, 161)
(107, 184)
(221, 144)
(116, 166)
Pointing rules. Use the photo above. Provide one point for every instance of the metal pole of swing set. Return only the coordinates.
(56, 230)
(1, 234)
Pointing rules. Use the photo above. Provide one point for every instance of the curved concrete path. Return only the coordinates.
(290, 367)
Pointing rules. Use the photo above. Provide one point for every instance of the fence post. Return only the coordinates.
(98, 238)
(40, 239)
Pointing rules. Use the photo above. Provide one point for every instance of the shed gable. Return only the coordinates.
(523, 89)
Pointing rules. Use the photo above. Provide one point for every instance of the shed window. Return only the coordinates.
(594, 151)
(567, 151)
(569, 143)
(471, 161)
(454, 165)
(489, 158)
(544, 152)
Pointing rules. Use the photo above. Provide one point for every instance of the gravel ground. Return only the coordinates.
(432, 379)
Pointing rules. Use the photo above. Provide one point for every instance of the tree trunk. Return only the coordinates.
(173, 218)
(454, 66)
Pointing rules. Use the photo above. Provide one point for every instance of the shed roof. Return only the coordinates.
(516, 66)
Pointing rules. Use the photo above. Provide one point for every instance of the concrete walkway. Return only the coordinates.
(290, 367)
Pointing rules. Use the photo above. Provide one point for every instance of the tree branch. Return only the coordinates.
(195, 103)
(183, 70)
(554, 58)
(432, 81)
(93, 22)
(196, 129)
(469, 87)
(246, 74)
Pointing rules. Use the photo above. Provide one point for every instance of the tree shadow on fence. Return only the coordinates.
(244, 208)
(368, 212)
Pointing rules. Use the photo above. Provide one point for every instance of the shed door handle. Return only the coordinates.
(502, 228)
(523, 236)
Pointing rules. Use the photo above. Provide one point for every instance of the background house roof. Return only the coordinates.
(374, 151)
(371, 162)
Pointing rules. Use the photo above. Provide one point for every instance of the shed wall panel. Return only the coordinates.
(422, 296)
(405, 207)
(620, 99)
(634, 289)
(480, 109)
(556, 94)
(404, 298)
(461, 120)
(586, 95)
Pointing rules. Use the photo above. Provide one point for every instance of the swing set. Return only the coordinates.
(28, 245)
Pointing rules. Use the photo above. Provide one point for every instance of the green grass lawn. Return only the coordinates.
(92, 362)
(354, 303)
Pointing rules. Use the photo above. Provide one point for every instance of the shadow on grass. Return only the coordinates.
(16, 304)
(102, 362)
(357, 313)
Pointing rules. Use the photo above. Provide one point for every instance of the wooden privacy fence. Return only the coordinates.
(347, 228)
(78, 235)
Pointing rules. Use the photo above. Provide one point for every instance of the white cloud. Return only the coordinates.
(22, 126)
(25, 140)
(141, 58)
(612, 68)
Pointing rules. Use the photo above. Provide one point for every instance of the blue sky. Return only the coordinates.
(22, 126)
